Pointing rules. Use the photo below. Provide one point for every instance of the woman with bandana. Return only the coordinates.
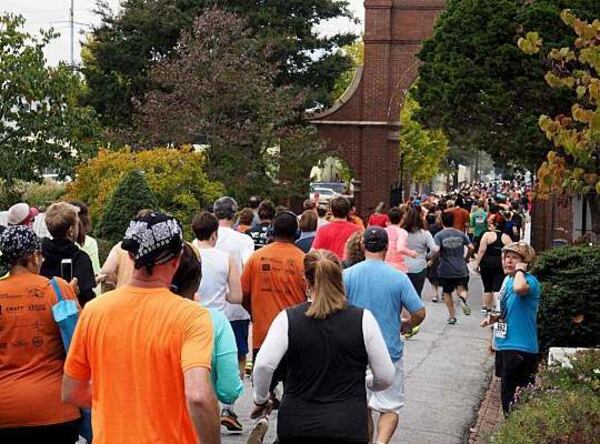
(31, 348)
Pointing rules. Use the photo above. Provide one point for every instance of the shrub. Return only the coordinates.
(562, 407)
(176, 176)
(569, 313)
(104, 248)
(131, 195)
(41, 195)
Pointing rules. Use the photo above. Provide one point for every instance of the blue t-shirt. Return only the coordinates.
(520, 314)
(382, 290)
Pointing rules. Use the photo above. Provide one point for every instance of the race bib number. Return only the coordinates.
(501, 330)
(479, 219)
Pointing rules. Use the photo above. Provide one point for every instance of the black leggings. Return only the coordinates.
(418, 280)
(64, 433)
(517, 369)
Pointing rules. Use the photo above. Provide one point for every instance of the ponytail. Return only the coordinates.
(324, 275)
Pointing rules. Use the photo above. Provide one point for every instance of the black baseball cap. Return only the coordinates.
(375, 239)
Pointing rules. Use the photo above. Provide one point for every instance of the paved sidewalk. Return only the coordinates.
(448, 370)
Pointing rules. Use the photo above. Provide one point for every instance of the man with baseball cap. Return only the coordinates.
(515, 329)
(385, 291)
(141, 355)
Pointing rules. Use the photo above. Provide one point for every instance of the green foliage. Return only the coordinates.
(569, 312)
(562, 407)
(255, 138)
(176, 177)
(573, 164)
(119, 54)
(478, 87)
(131, 195)
(41, 124)
(104, 248)
(41, 195)
(356, 53)
(423, 151)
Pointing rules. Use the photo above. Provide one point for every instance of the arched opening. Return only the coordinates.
(331, 177)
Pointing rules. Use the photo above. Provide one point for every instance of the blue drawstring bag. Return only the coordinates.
(66, 313)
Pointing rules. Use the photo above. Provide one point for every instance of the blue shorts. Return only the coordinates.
(240, 330)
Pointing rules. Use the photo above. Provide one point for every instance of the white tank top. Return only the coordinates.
(215, 271)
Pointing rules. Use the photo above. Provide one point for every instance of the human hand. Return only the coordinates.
(259, 411)
(521, 266)
(75, 286)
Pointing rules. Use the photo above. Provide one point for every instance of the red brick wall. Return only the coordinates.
(551, 219)
(366, 135)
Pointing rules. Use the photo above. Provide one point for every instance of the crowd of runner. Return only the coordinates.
(318, 301)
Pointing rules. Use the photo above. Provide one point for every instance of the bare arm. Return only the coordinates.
(415, 319)
(482, 249)
(77, 392)
(233, 281)
(202, 405)
(520, 284)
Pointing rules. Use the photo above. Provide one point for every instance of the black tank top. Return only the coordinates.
(493, 253)
(324, 394)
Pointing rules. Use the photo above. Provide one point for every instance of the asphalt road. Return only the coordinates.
(447, 371)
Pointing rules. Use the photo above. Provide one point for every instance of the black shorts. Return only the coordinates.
(451, 284)
(492, 279)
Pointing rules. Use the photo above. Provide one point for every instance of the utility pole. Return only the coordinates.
(72, 26)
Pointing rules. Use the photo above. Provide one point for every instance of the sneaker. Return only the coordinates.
(484, 310)
(412, 333)
(443, 298)
(258, 432)
(230, 421)
(248, 368)
(434, 298)
(465, 307)
(451, 321)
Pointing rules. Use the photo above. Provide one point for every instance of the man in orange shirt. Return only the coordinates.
(273, 280)
(461, 216)
(141, 355)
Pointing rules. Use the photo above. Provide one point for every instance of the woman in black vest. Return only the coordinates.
(489, 259)
(328, 345)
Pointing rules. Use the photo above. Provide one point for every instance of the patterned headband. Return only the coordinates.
(17, 242)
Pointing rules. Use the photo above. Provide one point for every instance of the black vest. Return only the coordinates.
(325, 395)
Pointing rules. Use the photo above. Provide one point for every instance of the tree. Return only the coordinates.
(476, 85)
(356, 53)
(175, 176)
(254, 135)
(120, 52)
(423, 151)
(574, 163)
(131, 195)
(41, 125)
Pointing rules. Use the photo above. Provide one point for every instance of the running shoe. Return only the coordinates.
(484, 310)
(451, 321)
(412, 332)
(230, 421)
(259, 431)
(434, 298)
(248, 368)
(465, 307)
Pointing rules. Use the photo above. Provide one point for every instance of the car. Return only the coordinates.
(324, 194)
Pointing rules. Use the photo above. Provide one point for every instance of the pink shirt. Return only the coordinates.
(397, 248)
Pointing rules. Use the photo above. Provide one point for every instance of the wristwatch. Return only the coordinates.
(522, 271)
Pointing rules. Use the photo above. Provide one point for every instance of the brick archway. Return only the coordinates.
(363, 125)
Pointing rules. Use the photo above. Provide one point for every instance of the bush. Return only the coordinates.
(562, 407)
(41, 195)
(131, 195)
(104, 248)
(176, 176)
(569, 313)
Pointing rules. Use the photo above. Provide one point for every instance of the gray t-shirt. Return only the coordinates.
(452, 244)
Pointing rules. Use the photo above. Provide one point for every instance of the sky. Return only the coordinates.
(55, 13)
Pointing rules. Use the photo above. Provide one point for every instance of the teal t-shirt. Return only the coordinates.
(520, 315)
(225, 372)
(479, 222)
(384, 291)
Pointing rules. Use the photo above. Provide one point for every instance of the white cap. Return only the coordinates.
(21, 213)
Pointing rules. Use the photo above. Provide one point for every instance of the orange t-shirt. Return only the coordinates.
(273, 277)
(461, 218)
(135, 344)
(31, 353)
